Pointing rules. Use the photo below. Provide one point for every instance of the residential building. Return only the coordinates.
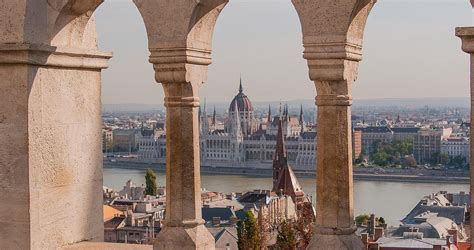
(124, 140)
(427, 144)
(405, 134)
(357, 142)
(456, 146)
(372, 135)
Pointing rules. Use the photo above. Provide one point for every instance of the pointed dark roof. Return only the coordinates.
(301, 114)
(241, 89)
(214, 117)
(280, 155)
(284, 179)
(269, 114)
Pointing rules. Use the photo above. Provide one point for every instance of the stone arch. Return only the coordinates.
(70, 22)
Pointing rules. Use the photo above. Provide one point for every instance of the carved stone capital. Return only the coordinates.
(180, 37)
(180, 64)
(49, 56)
(467, 36)
(333, 70)
(332, 36)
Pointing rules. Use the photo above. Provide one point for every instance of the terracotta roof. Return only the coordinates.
(110, 212)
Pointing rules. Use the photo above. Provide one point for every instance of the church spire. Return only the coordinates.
(301, 114)
(205, 120)
(241, 89)
(269, 114)
(280, 111)
(302, 119)
(214, 117)
(280, 154)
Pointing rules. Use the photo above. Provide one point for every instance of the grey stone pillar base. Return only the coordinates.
(336, 242)
(185, 238)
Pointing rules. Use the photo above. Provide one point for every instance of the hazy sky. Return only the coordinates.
(409, 51)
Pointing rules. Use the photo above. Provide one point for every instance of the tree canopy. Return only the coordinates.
(248, 232)
(150, 179)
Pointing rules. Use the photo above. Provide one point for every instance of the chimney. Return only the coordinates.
(455, 234)
(378, 233)
(449, 241)
(437, 247)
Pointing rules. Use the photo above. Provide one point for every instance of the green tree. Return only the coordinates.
(458, 161)
(381, 220)
(286, 236)
(248, 233)
(390, 153)
(362, 219)
(381, 158)
(150, 179)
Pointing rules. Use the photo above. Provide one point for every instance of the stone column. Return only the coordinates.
(50, 125)
(332, 37)
(179, 38)
(467, 36)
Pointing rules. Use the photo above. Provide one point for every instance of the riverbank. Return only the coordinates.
(366, 174)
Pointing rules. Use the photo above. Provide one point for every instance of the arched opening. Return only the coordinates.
(407, 68)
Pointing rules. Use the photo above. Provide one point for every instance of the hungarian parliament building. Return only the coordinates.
(242, 140)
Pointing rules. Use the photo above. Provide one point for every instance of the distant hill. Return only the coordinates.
(416, 102)
(460, 102)
(132, 107)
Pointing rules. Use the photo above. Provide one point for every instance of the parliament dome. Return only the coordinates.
(242, 102)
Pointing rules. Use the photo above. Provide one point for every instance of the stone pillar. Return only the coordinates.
(179, 38)
(332, 37)
(50, 125)
(467, 36)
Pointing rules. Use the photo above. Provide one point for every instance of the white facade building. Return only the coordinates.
(244, 141)
(456, 146)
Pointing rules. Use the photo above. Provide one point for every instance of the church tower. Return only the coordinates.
(242, 106)
(284, 179)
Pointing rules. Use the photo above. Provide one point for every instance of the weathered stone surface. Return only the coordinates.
(50, 155)
(324, 242)
(332, 38)
(196, 237)
(179, 39)
(467, 36)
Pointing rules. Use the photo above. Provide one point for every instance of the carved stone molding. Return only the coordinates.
(44, 55)
(467, 36)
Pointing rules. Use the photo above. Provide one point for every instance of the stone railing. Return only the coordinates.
(107, 246)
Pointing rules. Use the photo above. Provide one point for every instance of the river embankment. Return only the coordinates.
(366, 173)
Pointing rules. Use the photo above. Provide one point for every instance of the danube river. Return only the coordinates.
(391, 200)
